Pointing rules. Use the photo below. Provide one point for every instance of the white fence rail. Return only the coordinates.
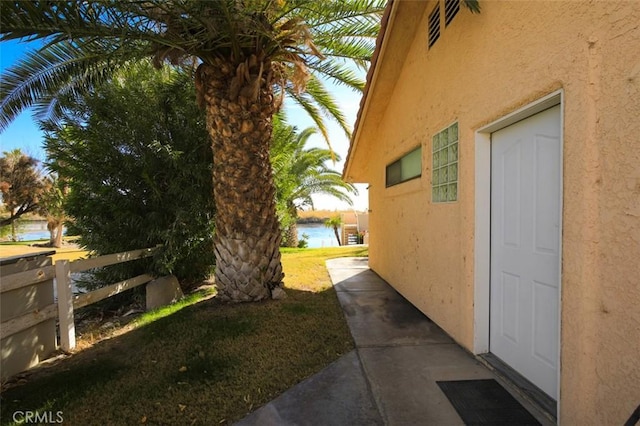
(27, 312)
(23, 322)
(21, 280)
(67, 302)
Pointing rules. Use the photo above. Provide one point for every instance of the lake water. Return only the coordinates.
(319, 235)
(29, 230)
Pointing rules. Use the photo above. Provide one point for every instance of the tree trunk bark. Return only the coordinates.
(292, 235)
(58, 240)
(247, 235)
(51, 227)
(335, 231)
(54, 226)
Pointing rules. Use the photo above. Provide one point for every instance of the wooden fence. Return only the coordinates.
(67, 302)
(27, 312)
(21, 330)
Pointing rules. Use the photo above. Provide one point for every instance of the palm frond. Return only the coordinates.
(337, 73)
(327, 103)
(85, 42)
(358, 50)
(57, 70)
(360, 26)
(310, 107)
(300, 171)
(332, 187)
(323, 15)
(472, 5)
(58, 21)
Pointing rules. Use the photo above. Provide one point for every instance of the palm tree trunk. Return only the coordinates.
(291, 236)
(247, 238)
(335, 231)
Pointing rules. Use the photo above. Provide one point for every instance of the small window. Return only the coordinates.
(406, 168)
(434, 25)
(444, 179)
(451, 8)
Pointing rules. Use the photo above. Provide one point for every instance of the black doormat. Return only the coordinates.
(485, 402)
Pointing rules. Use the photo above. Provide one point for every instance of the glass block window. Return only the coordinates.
(408, 167)
(434, 25)
(444, 179)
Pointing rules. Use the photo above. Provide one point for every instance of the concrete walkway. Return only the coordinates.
(390, 378)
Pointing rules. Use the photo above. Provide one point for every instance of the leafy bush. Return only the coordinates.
(304, 241)
(137, 159)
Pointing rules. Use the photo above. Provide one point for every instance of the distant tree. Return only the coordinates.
(20, 185)
(334, 223)
(137, 160)
(300, 172)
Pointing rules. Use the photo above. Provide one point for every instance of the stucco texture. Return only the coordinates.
(482, 68)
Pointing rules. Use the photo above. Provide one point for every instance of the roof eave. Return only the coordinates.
(370, 82)
(393, 45)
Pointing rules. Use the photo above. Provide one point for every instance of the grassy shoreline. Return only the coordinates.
(20, 248)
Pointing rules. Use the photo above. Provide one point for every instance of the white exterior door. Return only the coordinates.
(525, 247)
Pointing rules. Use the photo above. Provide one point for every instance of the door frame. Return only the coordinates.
(482, 233)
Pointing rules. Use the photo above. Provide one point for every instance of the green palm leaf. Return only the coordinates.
(300, 172)
(86, 42)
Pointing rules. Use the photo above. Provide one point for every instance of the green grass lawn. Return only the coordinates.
(199, 362)
(19, 248)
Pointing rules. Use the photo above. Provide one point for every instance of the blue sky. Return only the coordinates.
(23, 133)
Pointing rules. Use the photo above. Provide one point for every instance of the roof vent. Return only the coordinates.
(451, 8)
(434, 25)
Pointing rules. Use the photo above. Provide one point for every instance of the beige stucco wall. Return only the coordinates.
(483, 67)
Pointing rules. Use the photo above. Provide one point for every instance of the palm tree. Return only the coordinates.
(335, 223)
(247, 55)
(300, 172)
